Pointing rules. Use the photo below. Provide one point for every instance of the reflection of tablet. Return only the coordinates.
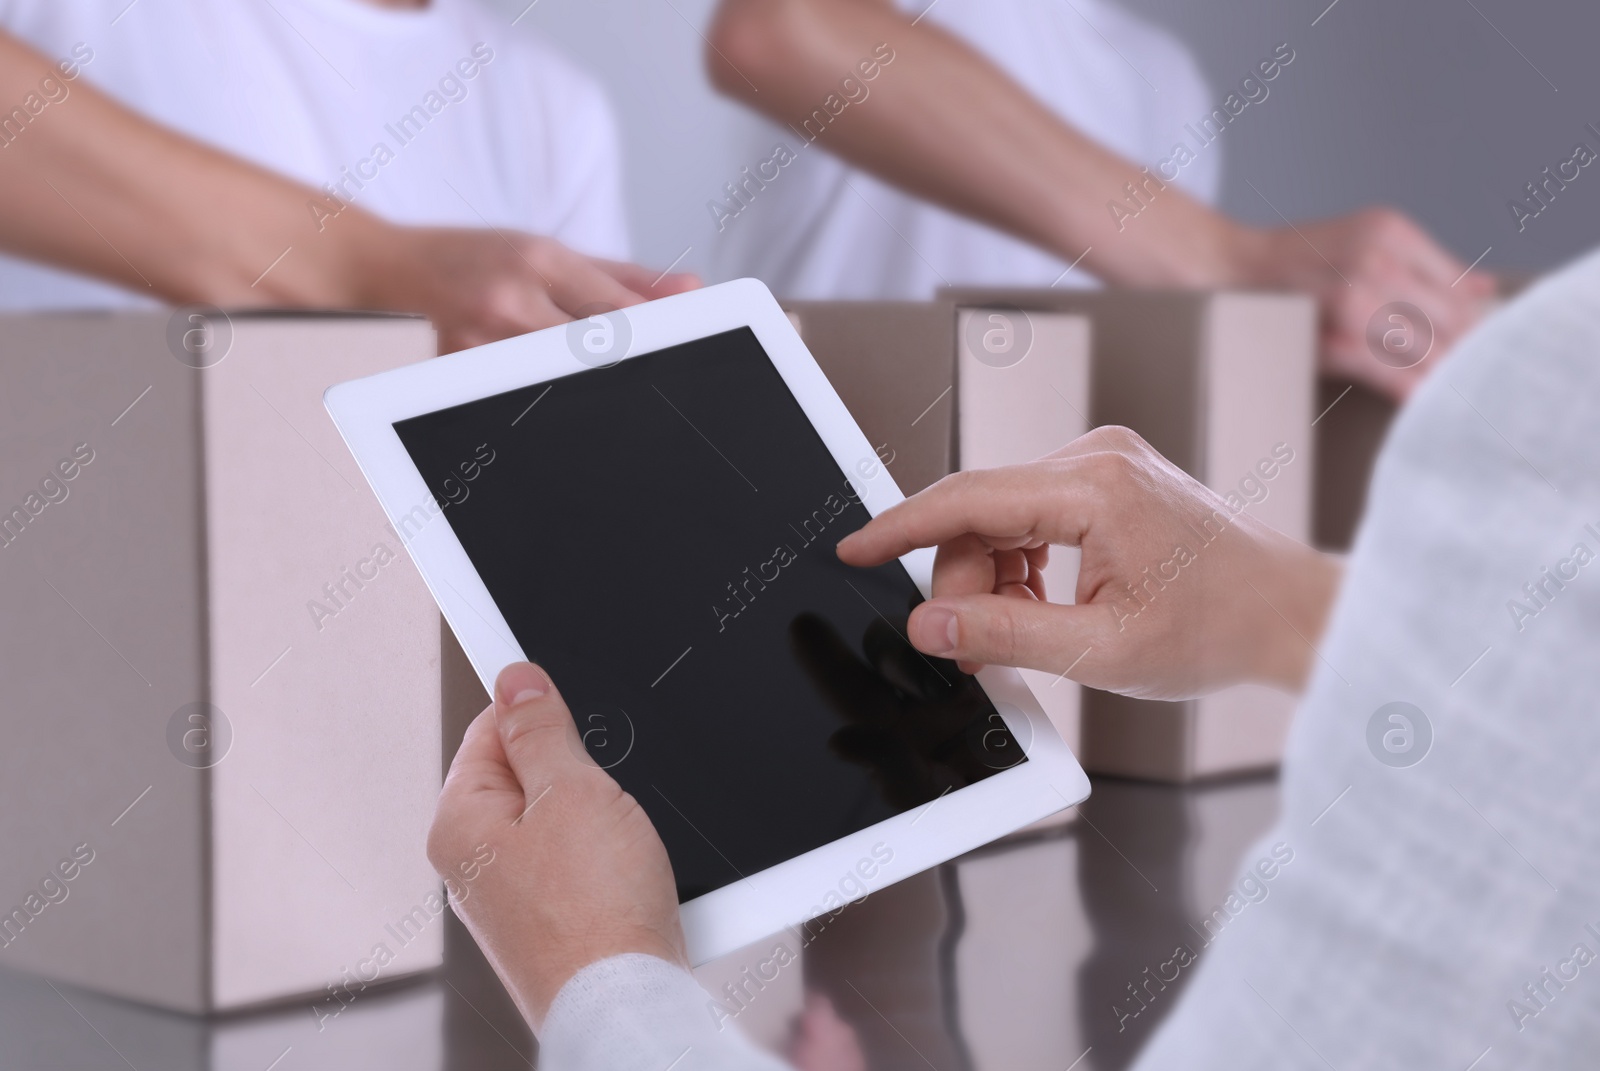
(658, 532)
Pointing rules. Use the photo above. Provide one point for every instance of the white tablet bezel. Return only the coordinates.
(823, 879)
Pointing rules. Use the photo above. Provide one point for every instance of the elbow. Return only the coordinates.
(752, 42)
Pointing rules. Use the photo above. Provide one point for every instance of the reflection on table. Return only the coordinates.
(1054, 946)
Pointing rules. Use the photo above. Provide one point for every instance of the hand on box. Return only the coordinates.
(479, 286)
(1362, 269)
(1179, 592)
(578, 872)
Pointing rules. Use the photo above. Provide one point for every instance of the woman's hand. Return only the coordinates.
(575, 872)
(1178, 594)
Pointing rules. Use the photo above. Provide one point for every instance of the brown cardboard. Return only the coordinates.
(917, 378)
(183, 566)
(893, 364)
(1015, 406)
(400, 1027)
(1213, 381)
(1352, 423)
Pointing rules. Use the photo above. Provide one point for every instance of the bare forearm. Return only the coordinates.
(943, 123)
(91, 186)
(1296, 587)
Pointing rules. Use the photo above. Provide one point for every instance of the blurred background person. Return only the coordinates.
(380, 154)
(1031, 143)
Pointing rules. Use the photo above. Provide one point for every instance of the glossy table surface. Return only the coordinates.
(1013, 957)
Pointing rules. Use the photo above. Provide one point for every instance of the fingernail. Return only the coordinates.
(520, 682)
(936, 628)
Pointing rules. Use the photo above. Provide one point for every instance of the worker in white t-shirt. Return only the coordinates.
(1029, 143)
(395, 154)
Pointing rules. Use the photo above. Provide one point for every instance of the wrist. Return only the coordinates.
(340, 265)
(282, 254)
(1296, 590)
(1243, 256)
(358, 265)
(1184, 244)
(535, 980)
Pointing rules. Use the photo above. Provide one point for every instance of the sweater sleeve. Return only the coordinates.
(641, 1013)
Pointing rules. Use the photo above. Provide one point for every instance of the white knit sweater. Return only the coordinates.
(1436, 914)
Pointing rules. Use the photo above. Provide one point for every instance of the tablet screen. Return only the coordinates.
(659, 535)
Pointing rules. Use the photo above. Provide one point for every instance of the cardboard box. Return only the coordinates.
(1351, 424)
(221, 706)
(894, 366)
(1214, 381)
(399, 1029)
(939, 390)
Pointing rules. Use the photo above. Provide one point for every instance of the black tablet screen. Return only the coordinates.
(659, 535)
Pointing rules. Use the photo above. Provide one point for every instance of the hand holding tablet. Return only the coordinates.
(657, 530)
(568, 870)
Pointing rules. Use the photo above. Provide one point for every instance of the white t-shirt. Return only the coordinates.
(313, 88)
(823, 229)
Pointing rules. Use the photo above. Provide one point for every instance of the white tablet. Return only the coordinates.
(646, 503)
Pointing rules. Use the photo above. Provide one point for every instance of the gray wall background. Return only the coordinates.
(1443, 108)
